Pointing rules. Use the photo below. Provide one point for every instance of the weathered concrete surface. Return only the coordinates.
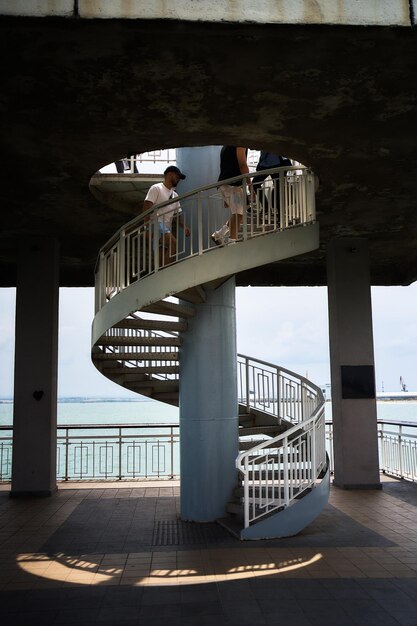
(38, 8)
(77, 94)
(365, 12)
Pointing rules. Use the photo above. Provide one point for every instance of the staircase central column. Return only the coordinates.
(208, 378)
(208, 407)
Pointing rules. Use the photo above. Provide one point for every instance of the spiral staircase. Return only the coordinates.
(142, 308)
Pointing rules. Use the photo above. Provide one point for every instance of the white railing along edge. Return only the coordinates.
(314, 458)
(297, 207)
(284, 390)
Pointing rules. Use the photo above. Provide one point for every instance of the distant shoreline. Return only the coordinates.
(84, 400)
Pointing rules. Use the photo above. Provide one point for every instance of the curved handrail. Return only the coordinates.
(133, 252)
(276, 390)
(302, 446)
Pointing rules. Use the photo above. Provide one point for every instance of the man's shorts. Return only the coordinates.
(233, 198)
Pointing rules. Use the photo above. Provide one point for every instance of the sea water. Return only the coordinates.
(116, 411)
(140, 440)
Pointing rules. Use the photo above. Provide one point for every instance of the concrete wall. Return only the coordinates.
(37, 8)
(358, 12)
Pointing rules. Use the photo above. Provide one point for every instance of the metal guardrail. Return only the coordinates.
(107, 452)
(276, 390)
(135, 251)
(397, 444)
(278, 470)
(397, 451)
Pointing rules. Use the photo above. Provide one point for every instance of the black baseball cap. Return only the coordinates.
(176, 170)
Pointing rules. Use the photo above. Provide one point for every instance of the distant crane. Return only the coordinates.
(402, 384)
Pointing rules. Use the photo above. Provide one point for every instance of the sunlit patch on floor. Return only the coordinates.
(152, 569)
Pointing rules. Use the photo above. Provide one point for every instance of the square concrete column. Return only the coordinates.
(356, 463)
(36, 367)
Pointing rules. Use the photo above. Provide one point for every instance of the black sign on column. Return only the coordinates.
(358, 381)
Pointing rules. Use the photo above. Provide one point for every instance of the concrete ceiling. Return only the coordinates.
(78, 94)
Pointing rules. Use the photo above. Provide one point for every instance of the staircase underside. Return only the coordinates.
(212, 266)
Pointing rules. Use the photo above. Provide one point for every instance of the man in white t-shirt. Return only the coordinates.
(162, 192)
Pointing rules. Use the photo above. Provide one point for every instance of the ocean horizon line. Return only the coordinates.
(88, 399)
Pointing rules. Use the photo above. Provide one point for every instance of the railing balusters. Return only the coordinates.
(120, 453)
(137, 243)
(66, 453)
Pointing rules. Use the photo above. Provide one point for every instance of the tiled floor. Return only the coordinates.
(120, 555)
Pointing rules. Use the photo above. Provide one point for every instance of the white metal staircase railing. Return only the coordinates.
(133, 252)
(278, 470)
(276, 390)
(137, 344)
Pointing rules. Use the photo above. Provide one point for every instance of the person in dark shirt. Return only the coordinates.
(233, 162)
(268, 160)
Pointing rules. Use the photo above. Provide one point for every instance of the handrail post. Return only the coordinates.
(247, 384)
(313, 454)
(122, 261)
(282, 203)
(66, 454)
(101, 284)
(172, 452)
(245, 213)
(400, 455)
(120, 454)
(381, 447)
(302, 401)
(97, 288)
(246, 492)
(286, 484)
(200, 223)
(155, 236)
(312, 196)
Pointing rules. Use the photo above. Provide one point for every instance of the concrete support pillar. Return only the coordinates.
(352, 365)
(209, 408)
(201, 165)
(36, 364)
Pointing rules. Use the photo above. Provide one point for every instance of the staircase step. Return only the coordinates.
(147, 324)
(170, 308)
(235, 508)
(195, 295)
(120, 377)
(273, 431)
(159, 386)
(136, 356)
(247, 445)
(266, 418)
(139, 341)
(135, 371)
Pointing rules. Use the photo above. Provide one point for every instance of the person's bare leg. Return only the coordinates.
(168, 249)
(235, 222)
(172, 249)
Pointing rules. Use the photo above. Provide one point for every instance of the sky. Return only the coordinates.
(287, 326)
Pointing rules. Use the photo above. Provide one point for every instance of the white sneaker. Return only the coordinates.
(231, 241)
(218, 238)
